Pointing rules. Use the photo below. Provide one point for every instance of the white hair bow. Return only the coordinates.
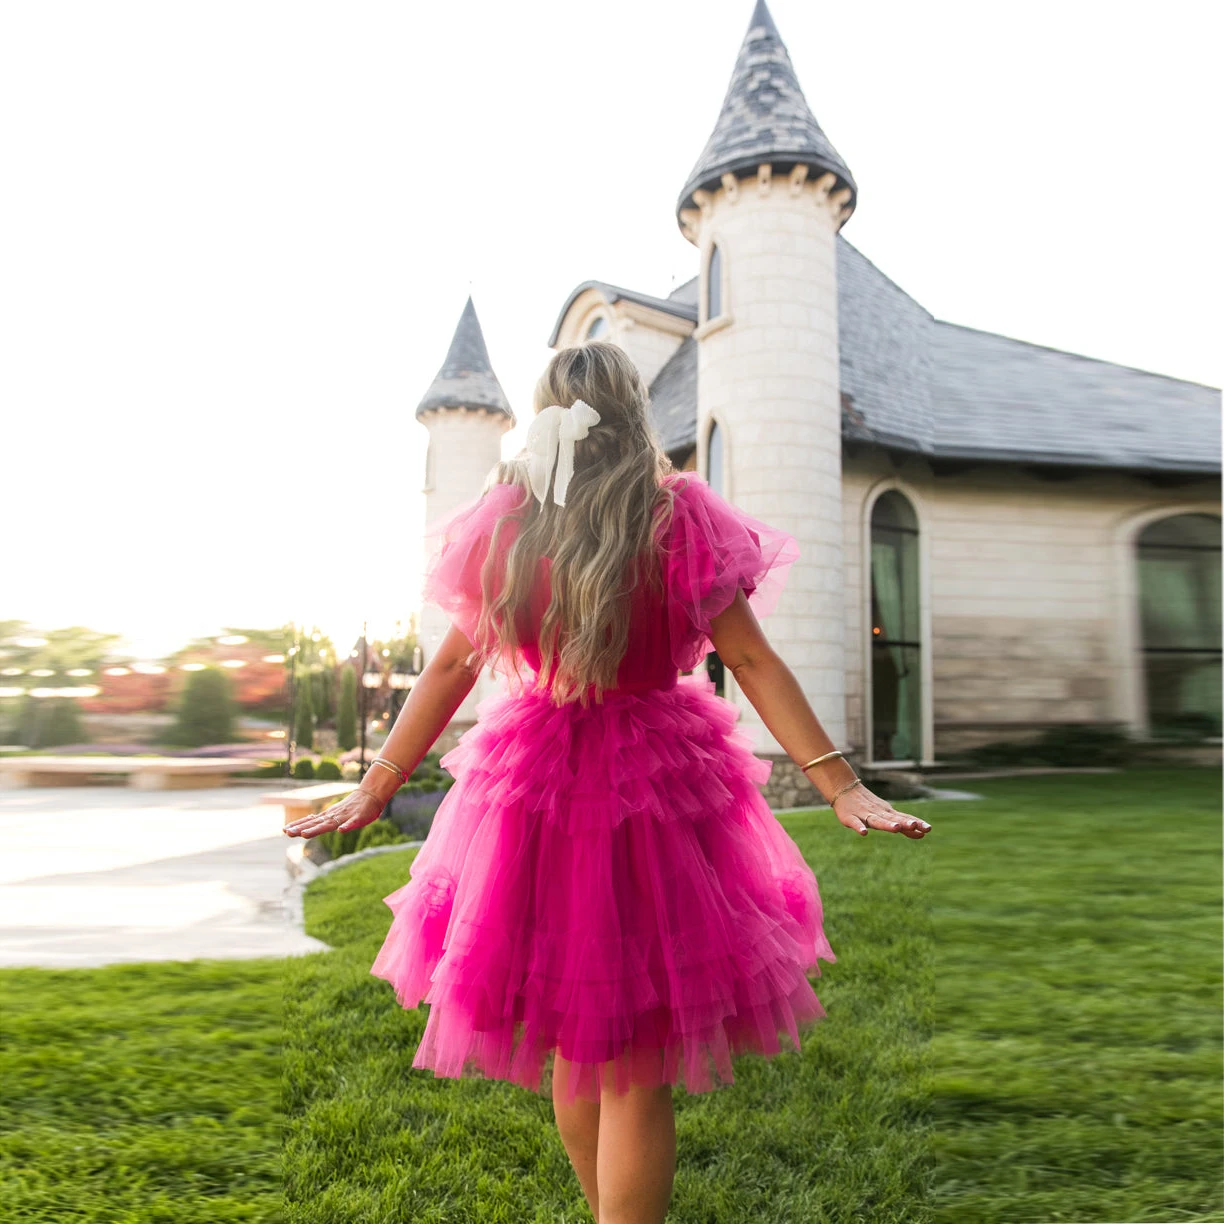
(550, 441)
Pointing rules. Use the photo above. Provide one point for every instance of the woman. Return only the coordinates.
(604, 888)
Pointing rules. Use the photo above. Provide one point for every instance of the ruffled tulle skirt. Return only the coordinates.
(608, 883)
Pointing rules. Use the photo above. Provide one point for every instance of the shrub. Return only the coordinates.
(328, 770)
(303, 718)
(303, 767)
(1188, 727)
(379, 833)
(321, 694)
(1064, 745)
(336, 844)
(1083, 744)
(346, 711)
(60, 723)
(206, 710)
(413, 806)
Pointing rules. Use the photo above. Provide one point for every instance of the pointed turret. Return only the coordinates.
(466, 379)
(466, 413)
(765, 120)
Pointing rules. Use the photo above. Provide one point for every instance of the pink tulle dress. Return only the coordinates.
(609, 881)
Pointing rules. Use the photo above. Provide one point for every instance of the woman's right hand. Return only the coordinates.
(354, 811)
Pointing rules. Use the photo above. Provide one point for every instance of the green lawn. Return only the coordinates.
(144, 1093)
(1024, 1026)
(1077, 1047)
(831, 1133)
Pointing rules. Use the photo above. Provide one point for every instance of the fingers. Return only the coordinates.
(910, 826)
(312, 826)
(885, 819)
(352, 812)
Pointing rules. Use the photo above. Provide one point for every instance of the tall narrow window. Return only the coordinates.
(1179, 607)
(896, 698)
(714, 284)
(714, 460)
(714, 477)
(598, 328)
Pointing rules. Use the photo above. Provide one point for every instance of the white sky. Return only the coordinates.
(235, 239)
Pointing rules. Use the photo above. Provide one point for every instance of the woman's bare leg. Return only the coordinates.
(637, 1153)
(578, 1125)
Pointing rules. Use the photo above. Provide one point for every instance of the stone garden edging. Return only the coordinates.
(302, 871)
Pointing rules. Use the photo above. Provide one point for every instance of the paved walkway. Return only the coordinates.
(94, 875)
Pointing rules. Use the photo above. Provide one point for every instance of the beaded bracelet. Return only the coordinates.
(849, 786)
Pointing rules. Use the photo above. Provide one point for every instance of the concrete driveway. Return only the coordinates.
(94, 875)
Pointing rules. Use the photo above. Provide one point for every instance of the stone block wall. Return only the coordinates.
(1030, 608)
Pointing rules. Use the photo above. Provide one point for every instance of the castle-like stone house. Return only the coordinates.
(996, 536)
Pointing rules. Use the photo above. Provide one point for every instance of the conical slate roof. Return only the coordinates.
(466, 379)
(764, 118)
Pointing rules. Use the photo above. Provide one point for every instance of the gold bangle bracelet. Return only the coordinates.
(827, 757)
(395, 769)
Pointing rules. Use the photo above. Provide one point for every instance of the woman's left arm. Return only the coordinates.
(438, 692)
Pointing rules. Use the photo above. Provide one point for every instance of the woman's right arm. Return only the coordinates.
(438, 692)
(775, 694)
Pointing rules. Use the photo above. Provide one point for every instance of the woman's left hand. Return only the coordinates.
(859, 810)
(354, 811)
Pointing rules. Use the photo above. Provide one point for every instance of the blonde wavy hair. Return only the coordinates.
(601, 541)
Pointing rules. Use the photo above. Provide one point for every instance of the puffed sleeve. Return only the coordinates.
(458, 546)
(711, 549)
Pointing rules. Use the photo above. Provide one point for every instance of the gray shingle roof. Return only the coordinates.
(914, 383)
(466, 379)
(1006, 399)
(673, 398)
(764, 118)
(614, 293)
(686, 293)
(885, 355)
(937, 388)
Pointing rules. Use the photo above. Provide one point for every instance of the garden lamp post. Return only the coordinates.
(291, 715)
(400, 680)
(370, 680)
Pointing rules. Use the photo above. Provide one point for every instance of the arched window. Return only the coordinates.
(715, 479)
(896, 647)
(714, 283)
(597, 328)
(714, 460)
(1178, 560)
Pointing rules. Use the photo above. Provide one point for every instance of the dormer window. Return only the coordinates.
(714, 283)
(599, 327)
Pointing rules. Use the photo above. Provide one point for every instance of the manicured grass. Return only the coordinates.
(141, 1094)
(1024, 1025)
(831, 1133)
(1077, 1047)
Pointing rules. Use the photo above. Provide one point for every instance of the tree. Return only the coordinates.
(63, 723)
(47, 722)
(346, 712)
(303, 717)
(206, 709)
